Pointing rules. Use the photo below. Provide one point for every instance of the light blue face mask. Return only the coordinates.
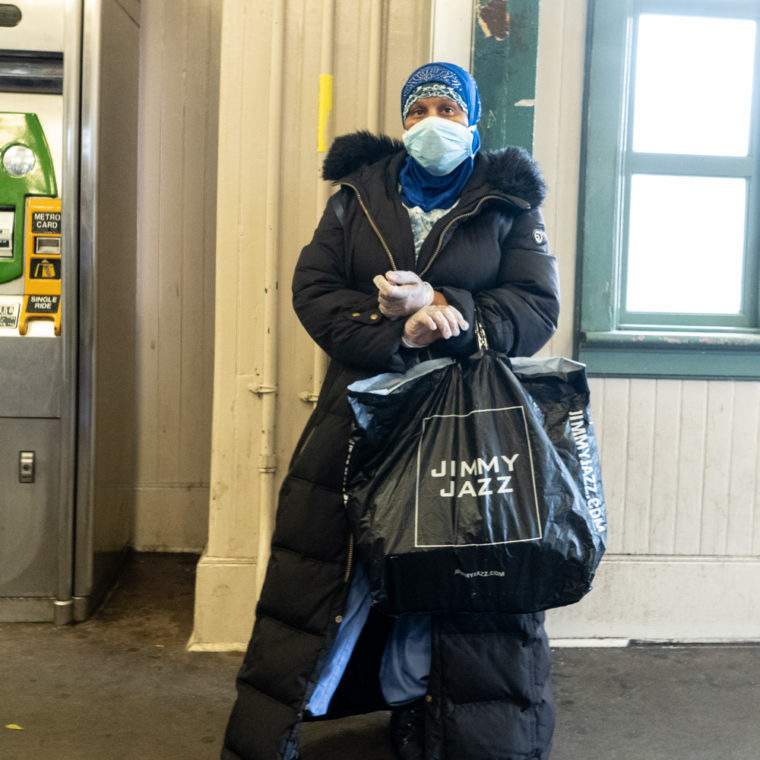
(439, 145)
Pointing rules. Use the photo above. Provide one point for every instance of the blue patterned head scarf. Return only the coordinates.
(418, 186)
(464, 87)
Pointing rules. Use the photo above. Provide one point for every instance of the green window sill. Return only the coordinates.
(724, 355)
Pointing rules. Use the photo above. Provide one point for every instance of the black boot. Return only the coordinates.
(408, 730)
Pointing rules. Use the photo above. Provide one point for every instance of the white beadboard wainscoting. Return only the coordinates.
(681, 464)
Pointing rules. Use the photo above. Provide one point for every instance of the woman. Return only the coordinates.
(419, 235)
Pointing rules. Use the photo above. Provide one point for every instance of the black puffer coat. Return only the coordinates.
(489, 695)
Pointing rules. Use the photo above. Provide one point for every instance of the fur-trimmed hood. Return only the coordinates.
(510, 171)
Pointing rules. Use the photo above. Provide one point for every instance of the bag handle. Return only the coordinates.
(480, 332)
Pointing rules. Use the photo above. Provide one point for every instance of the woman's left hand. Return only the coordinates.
(432, 323)
(402, 293)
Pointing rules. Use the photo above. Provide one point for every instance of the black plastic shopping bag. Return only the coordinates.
(474, 485)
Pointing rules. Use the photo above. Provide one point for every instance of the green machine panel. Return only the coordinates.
(26, 169)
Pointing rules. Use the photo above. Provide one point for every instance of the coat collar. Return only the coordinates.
(510, 172)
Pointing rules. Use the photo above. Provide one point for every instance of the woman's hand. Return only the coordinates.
(402, 293)
(432, 323)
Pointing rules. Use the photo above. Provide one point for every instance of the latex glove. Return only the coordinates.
(432, 323)
(402, 293)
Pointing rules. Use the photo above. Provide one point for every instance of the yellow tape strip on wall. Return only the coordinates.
(325, 106)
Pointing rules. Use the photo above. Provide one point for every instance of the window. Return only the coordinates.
(669, 281)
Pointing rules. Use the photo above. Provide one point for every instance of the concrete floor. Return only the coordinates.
(122, 687)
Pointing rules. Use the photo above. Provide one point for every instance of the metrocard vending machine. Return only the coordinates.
(66, 173)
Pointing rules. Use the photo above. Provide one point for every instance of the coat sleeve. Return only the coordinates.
(520, 313)
(343, 321)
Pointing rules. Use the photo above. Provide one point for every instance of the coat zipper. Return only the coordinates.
(350, 561)
(350, 553)
(372, 223)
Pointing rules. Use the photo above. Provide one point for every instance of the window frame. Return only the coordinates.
(611, 341)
